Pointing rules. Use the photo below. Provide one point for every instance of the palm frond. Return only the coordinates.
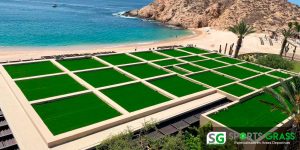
(275, 107)
(279, 98)
(288, 91)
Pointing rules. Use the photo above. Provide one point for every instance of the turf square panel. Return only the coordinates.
(210, 64)
(237, 72)
(213, 55)
(229, 60)
(183, 87)
(103, 77)
(211, 78)
(260, 81)
(144, 70)
(119, 59)
(280, 74)
(135, 96)
(149, 55)
(71, 113)
(45, 87)
(236, 90)
(174, 53)
(190, 67)
(177, 70)
(255, 67)
(244, 117)
(31, 69)
(167, 62)
(194, 50)
(193, 58)
(81, 64)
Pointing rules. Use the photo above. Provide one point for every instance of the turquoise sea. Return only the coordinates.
(76, 22)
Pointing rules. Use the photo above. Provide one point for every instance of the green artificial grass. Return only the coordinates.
(250, 115)
(177, 70)
(45, 87)
(193, 58)
(149, 55)
(183, 87)
(210, 64)
(194, 50)
(174, 53)
(213, 55)
(31, 69)
(237, 72)
(260, 81)
(190, 67)
(255, 67)
(211, 78)
(71, 113)
(103, 77)
(236, 90)
(280, 74)
(135, 96)
(167, 62)
(81, 64)
(144, 70)
(119, 59)
(229, 60)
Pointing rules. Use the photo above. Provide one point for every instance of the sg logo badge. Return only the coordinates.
(216, 138)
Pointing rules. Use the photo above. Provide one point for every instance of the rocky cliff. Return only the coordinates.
(262, 14)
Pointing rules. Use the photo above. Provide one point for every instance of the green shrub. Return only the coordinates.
(275, 61)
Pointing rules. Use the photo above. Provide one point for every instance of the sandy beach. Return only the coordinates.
(206, 38)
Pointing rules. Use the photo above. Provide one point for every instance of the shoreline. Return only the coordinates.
(206, 38)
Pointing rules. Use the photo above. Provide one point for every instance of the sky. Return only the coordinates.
(295, 1)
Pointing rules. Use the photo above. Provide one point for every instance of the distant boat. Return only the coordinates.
(54, 6)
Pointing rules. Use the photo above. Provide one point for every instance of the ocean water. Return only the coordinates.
(76, 22)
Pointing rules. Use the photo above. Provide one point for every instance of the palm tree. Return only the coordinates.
(287, 33)
(297, 28)
(241, 30)
(288, 98)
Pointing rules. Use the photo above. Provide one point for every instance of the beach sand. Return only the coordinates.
(206, 38)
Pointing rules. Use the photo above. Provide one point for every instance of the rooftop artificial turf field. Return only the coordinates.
(190, 67)
(255, 67)
(229, 60)
(194, 50)
(149, 55)
(119, 59)
(31, 69)
(193, 58)
(260, 81)
(236, 90)
(210, 64)
(183, 87)
(167, 62)
(144, 70)
(39, 88)
(174, 53)
(237, 72)
(80, 64)
(244, 117)
(135, 96)
(211, 78)
(280, 74)
(74, 112)
(177, 70)
(103, 77)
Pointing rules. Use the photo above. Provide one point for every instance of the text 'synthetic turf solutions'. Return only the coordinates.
(70, 98)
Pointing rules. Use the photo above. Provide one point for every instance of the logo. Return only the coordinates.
(216, 138)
